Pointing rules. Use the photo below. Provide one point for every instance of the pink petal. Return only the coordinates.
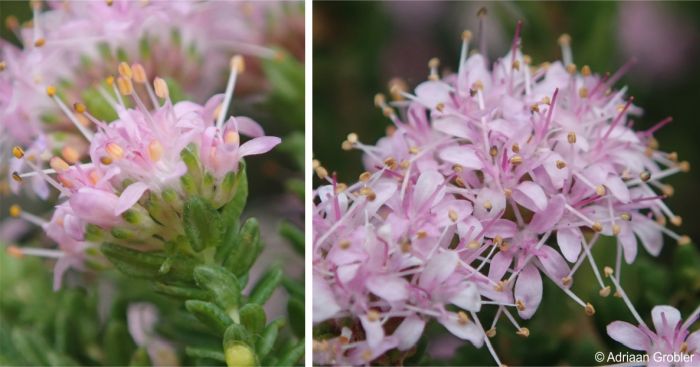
(618, 188)
(694, 342)
(496, 200)
(499, 265)
(468, 298)
(467, 331)
(546, 220)
(374, 332)
(438, 269)
(628, 334)
(426, 187)
(94, 205)
(569, 241)
(531, 196)
(650, 236)
(463, 155)
(553, 263)
(324, 302)
(248, 127)
(409, 332)
(430, 93)
(452, 125)
(129, 197)
(528, 288)
(628, 242)
(665, 319)
(388, 287)
(258, 145)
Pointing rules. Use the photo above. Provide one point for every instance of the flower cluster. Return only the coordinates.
(489, 180)
(91, 38)
(143, 166)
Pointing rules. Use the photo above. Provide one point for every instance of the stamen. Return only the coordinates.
(140, 77)
(161, 88)
(51, 91)
(624, 297)
(237, 66)
(466, 37)
(565, 44)
(155, 150)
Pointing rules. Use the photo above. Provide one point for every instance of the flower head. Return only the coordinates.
(489, 180)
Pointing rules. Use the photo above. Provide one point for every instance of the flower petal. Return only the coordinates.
(324, 302)
(569, 241)
(259, 145)
(463, 330)
(528, 289)
(628, 334)
(531, 196)
(462, 155)
(374, 332)
(438, 269)
(468, 298)
(129, 197)
(388, 287)
(665, 319)
(409, 331)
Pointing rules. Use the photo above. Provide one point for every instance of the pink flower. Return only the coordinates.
(490, 179)
(671, 337)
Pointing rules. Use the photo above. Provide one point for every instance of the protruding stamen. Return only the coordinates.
(125, 70)
(126, 88)
(17, 152)
(565, 44)
(237, 66)
(51, 92)
(434, 64)
(161, 88)
(155, 150)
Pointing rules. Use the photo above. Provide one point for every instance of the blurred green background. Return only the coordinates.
(359, 46)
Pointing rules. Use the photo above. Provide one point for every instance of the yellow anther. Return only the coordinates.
(139, 74)
(616, 229)
(676, 220)
(524, 332)
(155, 150)
(16, 177)
(352, 138)
(608, 271)
(564, 40)
(365, 176)
(232, 137)
(125, 87)
(645, 176)
(373, 315)
(597, 227)
(40, 42)
(452, 215)
(237, 63)
(70, 155)
(605, 291)
(520, 305)
(466, 35)
(583, 92)
(58, 164)
(600, 190)
(571, 69)
(344, 244)
(14, 251)
(114, 150)
(124, 70)
(571, 137)
(51, 91)
(473, 245)
(516, 160)
(15, 211)
(561, 164)
(3, 65)
(18, 152)
(79, 107)
(590, 310)
(566, 281)
(379, 100)
(491, 332)
(493, 151)
(109, 80)
(586, 70)
(463, 318)
(684, 240)
(161, 88)
(515, 148)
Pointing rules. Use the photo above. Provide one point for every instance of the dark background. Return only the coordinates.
(359, 46)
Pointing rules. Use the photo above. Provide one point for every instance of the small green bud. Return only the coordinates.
(240, 355)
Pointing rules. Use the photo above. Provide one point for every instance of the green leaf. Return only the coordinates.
(237, 333)
(295, 309)
(209, 314)
(294, 235)
(202, 224)
(216, 355)
(268, 338)
(183, 292)
(292, 356)
(253, 318)
(117, 343)
(247, 250)
(222, 285)
(140, 358)
(267, 284)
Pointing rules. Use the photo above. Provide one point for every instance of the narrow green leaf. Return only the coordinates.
(294, 235)
(268, 338)
(216, 355)
(222, 285)
(293, 356)
(183, 292)
(267, 284)
(295, 309)
(253, 318)
(209, 314)
(202, 224)
(248, 249)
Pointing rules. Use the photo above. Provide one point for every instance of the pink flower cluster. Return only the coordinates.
(141, 151)
(75, 44)
(490, 180)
